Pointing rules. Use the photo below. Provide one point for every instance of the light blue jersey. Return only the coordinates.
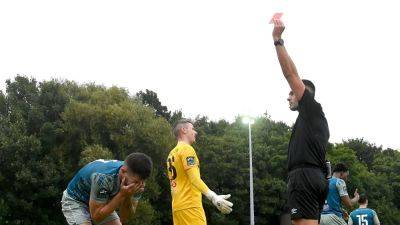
(333, 204)
(363, 216)
(99, 178)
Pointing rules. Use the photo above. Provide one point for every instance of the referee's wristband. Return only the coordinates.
(279, 42)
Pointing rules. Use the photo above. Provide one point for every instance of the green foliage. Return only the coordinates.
(49, 130)
(365, 151)
(93, 152)
(223, 148)
(145, 214)
(149, 98)
(380, 183)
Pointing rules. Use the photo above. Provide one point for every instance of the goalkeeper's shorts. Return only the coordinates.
(191, 216)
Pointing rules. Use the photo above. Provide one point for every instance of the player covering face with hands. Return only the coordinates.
(103, 186)
(131, 184)
(187, 186)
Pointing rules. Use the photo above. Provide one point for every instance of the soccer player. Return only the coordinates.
(307, 183)
(103, 186)
(363, 215)
(332, 212)
(186, 184)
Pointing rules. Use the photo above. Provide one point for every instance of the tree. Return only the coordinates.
(365, 151)
(49, 130)
(150, 98)
(94, 152)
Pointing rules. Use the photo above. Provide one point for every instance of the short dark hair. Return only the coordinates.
(310, 86)
(178, 125)
(363, 199)
(340, 167)
(139, 164)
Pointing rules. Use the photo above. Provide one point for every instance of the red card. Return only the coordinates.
(276, 16)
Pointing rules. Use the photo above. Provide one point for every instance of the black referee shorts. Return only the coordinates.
(307, 189)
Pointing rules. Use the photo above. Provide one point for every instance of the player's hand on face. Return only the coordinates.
(279, 27)
(141, 187)
(127, 190)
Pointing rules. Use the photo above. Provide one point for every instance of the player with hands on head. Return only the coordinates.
(103, 186)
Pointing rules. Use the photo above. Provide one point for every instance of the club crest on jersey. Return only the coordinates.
(190, 161)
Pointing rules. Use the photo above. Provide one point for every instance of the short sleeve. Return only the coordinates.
(308, 107)
(350, 222)
(376, 220)
(341, 187)
(100, 187)
(189, 157)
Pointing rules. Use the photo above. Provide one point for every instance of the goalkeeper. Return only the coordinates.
(185, 181)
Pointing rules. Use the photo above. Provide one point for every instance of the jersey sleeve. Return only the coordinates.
(350, 222)
(190, 164)
(341, 187)
(376, 220)
(189, 158)
(195, 179)
(308, 107)
(99, 190)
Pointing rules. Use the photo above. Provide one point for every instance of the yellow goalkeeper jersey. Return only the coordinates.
(184, 194)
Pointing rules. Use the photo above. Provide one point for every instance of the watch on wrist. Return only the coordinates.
(279, 42)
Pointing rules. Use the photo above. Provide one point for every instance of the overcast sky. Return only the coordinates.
(216, 57)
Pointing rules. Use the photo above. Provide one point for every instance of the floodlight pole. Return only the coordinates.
(251, 177)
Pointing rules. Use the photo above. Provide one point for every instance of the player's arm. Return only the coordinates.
(288, 68)
(349, 203)
(129, 205)
(99, 207)
(218, 200)
(376, 220)
(127, 209)
(99, 211)
(191, 166)
(195, 179)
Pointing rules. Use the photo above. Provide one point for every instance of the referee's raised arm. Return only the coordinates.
(288, 68)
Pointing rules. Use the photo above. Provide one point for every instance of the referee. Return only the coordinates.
(307, 183)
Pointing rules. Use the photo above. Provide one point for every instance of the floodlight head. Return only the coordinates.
(247, 120)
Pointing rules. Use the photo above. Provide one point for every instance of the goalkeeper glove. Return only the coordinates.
(224, 206)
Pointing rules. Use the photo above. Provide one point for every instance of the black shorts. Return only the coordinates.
(307, 189)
